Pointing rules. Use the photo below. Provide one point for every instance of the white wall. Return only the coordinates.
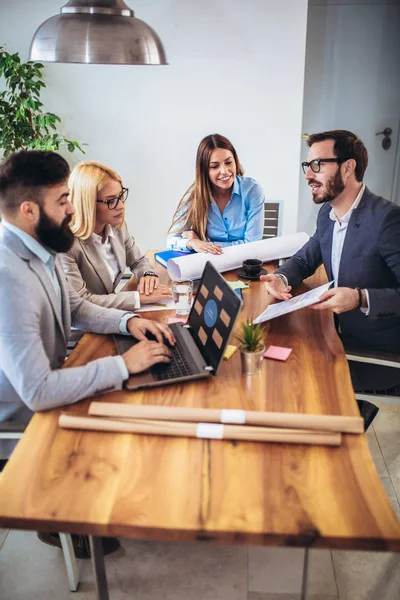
(352, 81)
(235, 68)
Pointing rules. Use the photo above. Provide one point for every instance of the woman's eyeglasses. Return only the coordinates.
(315, 165)
(113, 202)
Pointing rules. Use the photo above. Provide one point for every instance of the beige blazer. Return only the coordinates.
(87, 272)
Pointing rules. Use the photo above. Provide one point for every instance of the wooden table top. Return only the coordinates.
(153, 487)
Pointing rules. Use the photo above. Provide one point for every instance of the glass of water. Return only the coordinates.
(182, 292)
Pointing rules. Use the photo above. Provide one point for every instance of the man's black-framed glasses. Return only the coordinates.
(315, 164)
(113, 202)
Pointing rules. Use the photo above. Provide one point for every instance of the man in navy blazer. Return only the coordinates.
(358, 242)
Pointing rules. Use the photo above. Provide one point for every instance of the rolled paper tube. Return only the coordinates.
(336, 423)
(202, 430)
(192, 266)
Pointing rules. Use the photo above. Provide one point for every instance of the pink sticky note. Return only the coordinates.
(278, 353)
(175, 320)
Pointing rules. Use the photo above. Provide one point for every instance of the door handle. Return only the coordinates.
(386, 132)
(386, 142)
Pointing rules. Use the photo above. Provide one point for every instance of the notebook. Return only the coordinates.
(164, 256)
(201, 342)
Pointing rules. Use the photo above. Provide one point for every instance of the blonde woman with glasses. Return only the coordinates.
(103, 246)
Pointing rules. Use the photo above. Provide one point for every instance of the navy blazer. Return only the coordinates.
(370, 260)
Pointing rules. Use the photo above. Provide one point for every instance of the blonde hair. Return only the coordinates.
(85, 182)
(192, 211)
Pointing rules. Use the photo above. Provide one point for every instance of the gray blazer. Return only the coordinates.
(87, 272)
(34, 335)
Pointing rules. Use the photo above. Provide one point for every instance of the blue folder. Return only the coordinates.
(163, 257)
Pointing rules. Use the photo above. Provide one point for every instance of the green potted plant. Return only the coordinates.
(23, 124)
(251, 346)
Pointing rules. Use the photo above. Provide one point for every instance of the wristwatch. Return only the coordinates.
(149, 274)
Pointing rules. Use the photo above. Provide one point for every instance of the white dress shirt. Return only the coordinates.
(107, 253)
(339, 234)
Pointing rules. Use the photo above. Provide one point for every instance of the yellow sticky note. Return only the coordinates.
(229, 352)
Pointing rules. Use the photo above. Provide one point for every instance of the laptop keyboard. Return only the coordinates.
(178, 367)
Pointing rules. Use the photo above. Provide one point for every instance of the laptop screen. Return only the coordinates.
(213, 315)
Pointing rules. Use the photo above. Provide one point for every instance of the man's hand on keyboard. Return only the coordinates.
(138, 328)
(145, 354)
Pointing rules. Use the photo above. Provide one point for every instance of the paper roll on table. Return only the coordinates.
(338, 423)
(202, 430)
(192, 266)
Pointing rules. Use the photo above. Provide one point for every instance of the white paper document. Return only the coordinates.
(162, 305)
(288, 306)
(192, 266)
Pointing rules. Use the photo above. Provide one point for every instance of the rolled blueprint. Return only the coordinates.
(208, 431)
(338, 423)
(192, 266)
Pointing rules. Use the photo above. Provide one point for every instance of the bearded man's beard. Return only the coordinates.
(334, 187)
(57, 237)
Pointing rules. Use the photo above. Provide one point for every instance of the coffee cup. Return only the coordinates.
(252, 266)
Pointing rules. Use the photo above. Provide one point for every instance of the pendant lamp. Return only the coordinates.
(102, 32)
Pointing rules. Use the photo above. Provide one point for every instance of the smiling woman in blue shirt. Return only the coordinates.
(222, 207)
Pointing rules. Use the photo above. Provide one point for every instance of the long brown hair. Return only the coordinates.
(192, 211)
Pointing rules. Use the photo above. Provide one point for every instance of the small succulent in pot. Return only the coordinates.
(251, 346)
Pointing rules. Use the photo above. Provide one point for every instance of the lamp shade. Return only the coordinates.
(97, 32)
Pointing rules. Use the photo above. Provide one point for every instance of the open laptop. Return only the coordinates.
(201, 343)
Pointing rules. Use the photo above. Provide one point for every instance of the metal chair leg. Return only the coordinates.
(99, 568)
(305, 576)
(70, 561)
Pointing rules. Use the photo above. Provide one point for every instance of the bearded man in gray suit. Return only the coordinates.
(37, 305)
(358, 241)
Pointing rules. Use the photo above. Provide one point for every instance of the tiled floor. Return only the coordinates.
(30, 570)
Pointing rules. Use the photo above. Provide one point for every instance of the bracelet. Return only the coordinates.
(360, 298)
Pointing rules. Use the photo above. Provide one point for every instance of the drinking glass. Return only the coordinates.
(182, 292)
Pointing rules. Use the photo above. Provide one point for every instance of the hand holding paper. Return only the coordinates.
(340, 299)
(282, 308)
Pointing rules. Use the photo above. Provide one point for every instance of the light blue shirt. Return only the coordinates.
(242, 220)
(48, 259)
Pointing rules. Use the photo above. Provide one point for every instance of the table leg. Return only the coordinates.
(99, 568)
(305, 576)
